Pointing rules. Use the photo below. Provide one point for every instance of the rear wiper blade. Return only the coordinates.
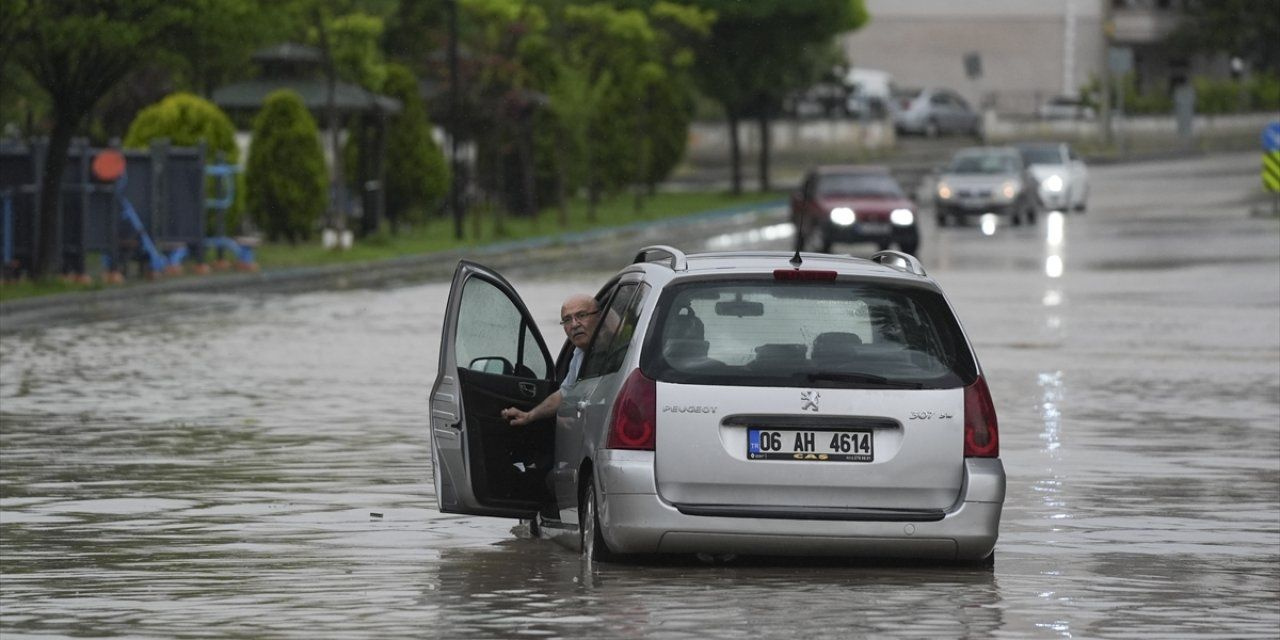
(861, 378)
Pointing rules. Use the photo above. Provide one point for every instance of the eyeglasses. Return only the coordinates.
(580, 316)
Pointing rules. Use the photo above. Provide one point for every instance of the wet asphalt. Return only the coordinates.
(255, 463)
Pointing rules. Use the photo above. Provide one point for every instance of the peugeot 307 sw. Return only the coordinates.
(759, 403)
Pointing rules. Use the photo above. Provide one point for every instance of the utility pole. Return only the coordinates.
(1104, 90)
(338, 206)
(1069, 50)
(455, 193)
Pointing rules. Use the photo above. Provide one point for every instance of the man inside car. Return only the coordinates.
(578, 315)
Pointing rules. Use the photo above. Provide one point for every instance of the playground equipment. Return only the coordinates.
(158, 193)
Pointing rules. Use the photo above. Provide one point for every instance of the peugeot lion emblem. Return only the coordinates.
(809, 400)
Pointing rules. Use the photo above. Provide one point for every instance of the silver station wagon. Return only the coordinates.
(760, 403)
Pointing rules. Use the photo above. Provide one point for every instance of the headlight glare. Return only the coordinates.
(1009, 189)
(944, 191)
(843, 216)
(1053, 183)
(902, 217)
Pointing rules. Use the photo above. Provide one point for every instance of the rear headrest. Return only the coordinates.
(835, 342)
(684, 326)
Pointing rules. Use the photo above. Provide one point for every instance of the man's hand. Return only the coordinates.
(545, 409)
(516, 417)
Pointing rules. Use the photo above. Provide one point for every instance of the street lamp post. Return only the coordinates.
(455, 192)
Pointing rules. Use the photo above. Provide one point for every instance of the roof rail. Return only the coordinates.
(677, 256)
(899, 260)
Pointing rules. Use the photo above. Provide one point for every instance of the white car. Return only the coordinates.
(1062, 176)
(729, 403)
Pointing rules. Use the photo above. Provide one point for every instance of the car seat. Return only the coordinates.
(834, 348)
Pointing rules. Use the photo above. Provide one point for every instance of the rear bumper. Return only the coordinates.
(636, 520)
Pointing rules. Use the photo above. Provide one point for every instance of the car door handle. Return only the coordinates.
(582, 405)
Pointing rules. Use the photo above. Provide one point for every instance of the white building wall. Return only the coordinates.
(1030, 49)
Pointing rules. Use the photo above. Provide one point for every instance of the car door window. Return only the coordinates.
(493, 336)
(613, 337)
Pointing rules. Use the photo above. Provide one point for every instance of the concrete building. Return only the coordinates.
(1028, 50)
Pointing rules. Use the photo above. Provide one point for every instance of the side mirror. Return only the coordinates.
(493, 364)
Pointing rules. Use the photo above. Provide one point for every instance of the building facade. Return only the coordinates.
(1027, 50)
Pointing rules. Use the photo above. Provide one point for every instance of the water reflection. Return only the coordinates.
(989, 222)
(214, 473)
(511, 588)
(750, 237)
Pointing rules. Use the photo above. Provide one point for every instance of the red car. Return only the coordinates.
(853, 204)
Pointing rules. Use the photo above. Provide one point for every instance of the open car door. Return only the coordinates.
(492, 356)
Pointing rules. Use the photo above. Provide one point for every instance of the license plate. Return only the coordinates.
(810, 444)
(873, 228)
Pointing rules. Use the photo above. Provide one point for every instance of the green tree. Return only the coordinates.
(214, 39)
(759, 52)
(76, 51)
(286, 176)
(680, 30)
(417, 174)
(1249, 29)
(188, 120)
(625, 76)
(356, 51)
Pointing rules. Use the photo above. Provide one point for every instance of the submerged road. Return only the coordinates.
(257, 464)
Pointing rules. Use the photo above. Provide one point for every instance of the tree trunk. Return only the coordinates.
(593, 189)
(47, 260)
(337, 206)
(735, 155)
(528, 186)
(763, 121)
(562, 180)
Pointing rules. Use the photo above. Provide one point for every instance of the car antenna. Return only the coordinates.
(795, 260)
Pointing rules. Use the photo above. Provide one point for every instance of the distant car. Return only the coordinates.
(1065, 108)
(728, 403)
(932, 112)
(985, 180)
(853, 204)
(1061, 176)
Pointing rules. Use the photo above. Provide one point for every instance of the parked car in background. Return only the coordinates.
(728, 403)
(985, 180)
(934, 111)
(1065, 108)
(851, 203)
(870, 91)
(1061, 176)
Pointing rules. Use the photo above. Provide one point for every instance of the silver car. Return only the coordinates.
(729, 403)
(1062, 180)
(986, 180)
(932, 111)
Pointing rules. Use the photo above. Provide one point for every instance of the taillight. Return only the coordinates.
(981, 433)
(635, 414)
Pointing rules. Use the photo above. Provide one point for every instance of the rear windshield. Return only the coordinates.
(858, 184)
(1041, 155)
(807, 334)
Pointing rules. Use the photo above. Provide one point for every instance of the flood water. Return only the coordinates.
(258, 466)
